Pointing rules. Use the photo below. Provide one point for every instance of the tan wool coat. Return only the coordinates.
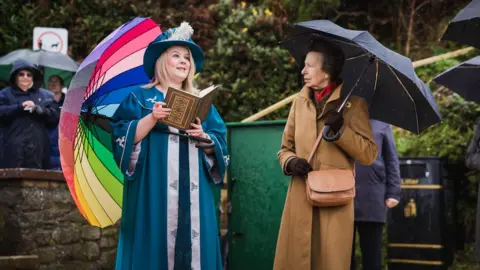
(312, 237)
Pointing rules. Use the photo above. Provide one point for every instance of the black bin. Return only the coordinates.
(421, 229)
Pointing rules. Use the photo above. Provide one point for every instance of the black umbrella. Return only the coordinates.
(463, 79)
(383, 77)
(465, 27)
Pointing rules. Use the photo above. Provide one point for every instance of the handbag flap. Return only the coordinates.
(331, 180)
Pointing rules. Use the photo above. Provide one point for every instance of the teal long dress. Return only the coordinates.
(168, 213)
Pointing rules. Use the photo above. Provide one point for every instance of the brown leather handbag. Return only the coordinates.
(333, 187)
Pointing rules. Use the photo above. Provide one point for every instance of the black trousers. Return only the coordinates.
(370, 234)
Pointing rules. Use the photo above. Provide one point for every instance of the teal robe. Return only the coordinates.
(168, 212)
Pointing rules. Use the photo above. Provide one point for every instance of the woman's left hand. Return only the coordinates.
(197, 130)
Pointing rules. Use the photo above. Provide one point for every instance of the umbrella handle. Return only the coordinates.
(206, 143)
(326, 137)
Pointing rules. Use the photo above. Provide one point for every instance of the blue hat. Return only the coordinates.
(174, 36)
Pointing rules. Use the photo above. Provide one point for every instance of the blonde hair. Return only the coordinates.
(161, 74)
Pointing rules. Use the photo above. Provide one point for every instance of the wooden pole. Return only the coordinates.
(416, 64)
(441, 57)
(270, 109)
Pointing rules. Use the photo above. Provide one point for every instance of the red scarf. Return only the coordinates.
(319, 94)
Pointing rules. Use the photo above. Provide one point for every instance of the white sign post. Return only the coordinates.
(50, 39)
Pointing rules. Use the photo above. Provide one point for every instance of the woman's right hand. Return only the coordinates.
(159, 112)
(28, 103)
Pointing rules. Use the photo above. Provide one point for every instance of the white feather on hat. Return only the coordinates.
(183, 32)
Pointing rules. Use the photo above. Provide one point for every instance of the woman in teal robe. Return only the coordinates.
(168, 212)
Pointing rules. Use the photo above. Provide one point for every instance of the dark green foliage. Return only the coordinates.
(246, 59)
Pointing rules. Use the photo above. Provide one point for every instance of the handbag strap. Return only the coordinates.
(315, 146)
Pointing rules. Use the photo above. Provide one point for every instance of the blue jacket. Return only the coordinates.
(379, 181)
(54, 149)
(25, 134)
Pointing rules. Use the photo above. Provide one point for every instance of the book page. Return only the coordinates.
(207, 90)
(205, 102)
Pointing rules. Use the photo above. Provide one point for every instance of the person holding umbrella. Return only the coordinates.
(320, 237)
(472, 162)
(26, 113)
(329, 124)
(168, 212)
(464, 80)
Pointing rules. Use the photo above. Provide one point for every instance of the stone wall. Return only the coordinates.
(38, 217)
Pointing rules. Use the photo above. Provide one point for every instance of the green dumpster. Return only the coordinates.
(256, 192)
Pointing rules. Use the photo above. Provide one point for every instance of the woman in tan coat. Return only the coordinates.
(320, 238)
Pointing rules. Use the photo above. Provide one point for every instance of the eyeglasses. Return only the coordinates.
(23, 74)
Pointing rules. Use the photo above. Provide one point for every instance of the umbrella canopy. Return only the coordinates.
(464, 28)
(463, 79)
(52, 63)
(386, 79)
(103, 80)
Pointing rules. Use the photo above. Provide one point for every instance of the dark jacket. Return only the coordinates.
(473, 150)
(26, 141)
(379, 181)
(2, 140)
(54, 149)
(473, 163)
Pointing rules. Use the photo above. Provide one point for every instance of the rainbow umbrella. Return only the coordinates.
(111, 71)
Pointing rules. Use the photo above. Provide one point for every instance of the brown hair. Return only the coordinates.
(333, 58)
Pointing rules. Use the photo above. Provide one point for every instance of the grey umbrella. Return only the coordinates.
(463, 79)
(464, 28)
(41, 58)
(386, 79)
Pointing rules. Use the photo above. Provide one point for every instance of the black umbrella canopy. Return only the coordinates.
(463, 79)
(465, 27)
(386, 79)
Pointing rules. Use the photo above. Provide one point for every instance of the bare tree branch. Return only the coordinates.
(410, 27)
(348, 13)
(401, 15)
(421, 5)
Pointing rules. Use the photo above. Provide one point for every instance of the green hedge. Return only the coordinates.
(247, 61)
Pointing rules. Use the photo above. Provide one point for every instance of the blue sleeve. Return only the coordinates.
(392, 165)
(8, 111)
(216, 129)
(50, 111)
(124, 124)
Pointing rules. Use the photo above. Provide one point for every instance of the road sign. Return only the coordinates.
(50, 39)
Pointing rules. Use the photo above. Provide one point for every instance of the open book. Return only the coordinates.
(186, 106)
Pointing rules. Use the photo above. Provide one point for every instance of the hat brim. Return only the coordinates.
(155, 49)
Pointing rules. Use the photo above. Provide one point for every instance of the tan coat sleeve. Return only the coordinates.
(357, 137)
(287, 148)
